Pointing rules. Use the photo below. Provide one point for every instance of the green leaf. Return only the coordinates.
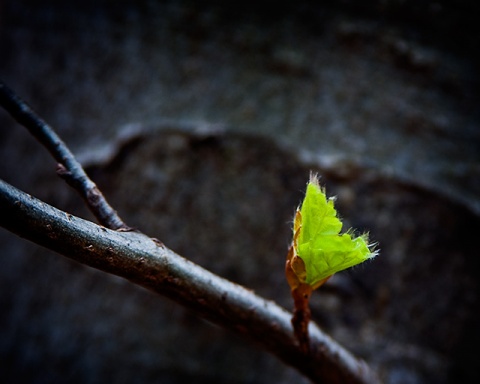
(318, 242)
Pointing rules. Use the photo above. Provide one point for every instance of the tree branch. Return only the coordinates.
(68, 168)
(145, 261)
(148, 263)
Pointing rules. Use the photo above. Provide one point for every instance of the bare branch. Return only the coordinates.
(148, 263)
(68, 168)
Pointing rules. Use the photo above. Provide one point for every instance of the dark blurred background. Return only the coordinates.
(201, 121)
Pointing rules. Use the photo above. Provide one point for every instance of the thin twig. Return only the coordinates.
(68, 167)
(148, 263)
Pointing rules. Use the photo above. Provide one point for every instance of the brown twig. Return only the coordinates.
(148, 263)
(68, 167)
(301, 315)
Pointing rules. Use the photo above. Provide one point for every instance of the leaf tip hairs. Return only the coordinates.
(314, 179)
